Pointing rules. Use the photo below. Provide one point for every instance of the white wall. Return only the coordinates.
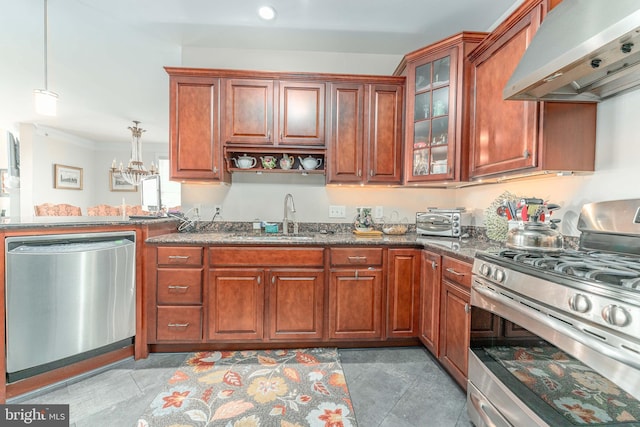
(280, 60)
(41, 148)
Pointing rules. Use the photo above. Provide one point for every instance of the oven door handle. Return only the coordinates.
(570, 331)
(485, 410)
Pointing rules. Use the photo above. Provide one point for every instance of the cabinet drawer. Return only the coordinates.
(356, 256)
(179, 286)
(179, 324)
(456, 271)
(266, 256)
(179, 256)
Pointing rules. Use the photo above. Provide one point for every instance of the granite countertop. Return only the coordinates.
(461, 248)
(36, 222)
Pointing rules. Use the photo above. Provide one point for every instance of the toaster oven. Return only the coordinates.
(439, 222)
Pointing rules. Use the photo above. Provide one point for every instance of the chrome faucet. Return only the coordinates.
(288, 201)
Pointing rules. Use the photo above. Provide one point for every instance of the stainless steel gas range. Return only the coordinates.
(563, 347)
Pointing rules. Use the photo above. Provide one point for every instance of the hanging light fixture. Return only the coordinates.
(45, 100)
(135, 170)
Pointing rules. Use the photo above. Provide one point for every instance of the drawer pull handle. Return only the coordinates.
(358, 259)
(178, 325)
(467, 308)
(452, 271)
(178, 288)
(178, 258)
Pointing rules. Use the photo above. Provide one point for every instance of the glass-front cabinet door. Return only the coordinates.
(436, 129)
(432, 88)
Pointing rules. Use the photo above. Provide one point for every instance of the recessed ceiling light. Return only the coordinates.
(267, 13)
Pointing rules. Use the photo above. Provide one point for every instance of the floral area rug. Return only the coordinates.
(283, 388)
(576, 391)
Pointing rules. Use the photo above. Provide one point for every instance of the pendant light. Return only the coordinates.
(45, 100)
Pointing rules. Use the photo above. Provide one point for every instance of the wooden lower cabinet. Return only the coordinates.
(403, 292)
(430, 301)
(355, 303)
(235, 304)
(454, 330)
(455, 318)
(296, 304)
(179, 323)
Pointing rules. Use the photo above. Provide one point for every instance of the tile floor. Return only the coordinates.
(390, 387)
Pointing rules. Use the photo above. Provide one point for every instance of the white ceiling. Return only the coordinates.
(106, 56)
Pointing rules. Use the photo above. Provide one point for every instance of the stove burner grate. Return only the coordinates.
(604, 267)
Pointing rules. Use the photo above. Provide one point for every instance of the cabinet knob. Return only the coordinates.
(273, 280)
(359, 172)
(215, 169)
(269, 135)
(259, 280)
(434, 265)
(371, 173)
(526, 154)
(467, 308)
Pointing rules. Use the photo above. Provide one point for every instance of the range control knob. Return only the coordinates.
(499, 275)
(579, 303)
(485, 270)
(616, 315)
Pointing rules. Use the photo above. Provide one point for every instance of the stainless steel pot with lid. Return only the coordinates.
(534, 236)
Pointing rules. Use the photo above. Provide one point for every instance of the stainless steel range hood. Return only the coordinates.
(585, 50)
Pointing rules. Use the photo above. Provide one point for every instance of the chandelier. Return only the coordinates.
(135, 170)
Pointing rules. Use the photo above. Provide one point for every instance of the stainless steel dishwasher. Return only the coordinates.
(68, 297)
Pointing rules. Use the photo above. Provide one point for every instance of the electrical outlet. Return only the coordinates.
(378, 212)
(337, 211)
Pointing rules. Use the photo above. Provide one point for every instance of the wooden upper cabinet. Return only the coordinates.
(346, 142)
(365, 142)
(438, 91)
(248, 111)
(523, 136)
(195, 148)
(251, 116)
(301, 113)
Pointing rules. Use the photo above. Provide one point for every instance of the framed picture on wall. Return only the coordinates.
(117, 183)
(67, 177)
(4, 177)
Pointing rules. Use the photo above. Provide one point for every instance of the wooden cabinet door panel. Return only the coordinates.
(384, 148)
(179, 256)
(183, 323)
(403, 291)
(504, 133)
(355, 304)
(454, 331)
(179, 286)
(301, 113)
(195, 151)
(296, 304)
(347, 133)
(430, 301)
(235, 306)
(249, 111)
